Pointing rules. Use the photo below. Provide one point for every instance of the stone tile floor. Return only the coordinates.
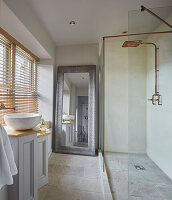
(128, 183)
(72, 177)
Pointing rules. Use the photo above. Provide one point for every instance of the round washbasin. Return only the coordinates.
(22, 121)
(68, 117)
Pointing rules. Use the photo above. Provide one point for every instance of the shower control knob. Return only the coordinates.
(156, 98)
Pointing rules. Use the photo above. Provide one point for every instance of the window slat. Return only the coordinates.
(18, 82)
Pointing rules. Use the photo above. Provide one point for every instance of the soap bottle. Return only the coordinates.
(42, 126)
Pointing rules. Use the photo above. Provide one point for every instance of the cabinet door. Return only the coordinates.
(42, 161)
(28, 167)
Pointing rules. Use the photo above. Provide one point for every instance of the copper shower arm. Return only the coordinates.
(149, 11)
(156, 66)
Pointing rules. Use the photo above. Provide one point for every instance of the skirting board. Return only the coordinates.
(104, 177)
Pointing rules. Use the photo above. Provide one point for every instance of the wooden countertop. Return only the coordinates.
(41, 134)
(36, 130)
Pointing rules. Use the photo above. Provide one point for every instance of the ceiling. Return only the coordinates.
(10, 23)
(94, 18)
(79, 80)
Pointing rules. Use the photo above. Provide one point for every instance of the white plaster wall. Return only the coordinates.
(30, 20)
(159, 125)
(125, 98)
(79, 55)
(69, 98)
(45, 91)
(72, 99)
(66, 101)
(82, 92)
(137, 99)
(10, 23)
(116, 97)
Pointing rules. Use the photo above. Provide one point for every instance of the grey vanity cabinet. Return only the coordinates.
(42, 161)
(25, 182)
(31, 157)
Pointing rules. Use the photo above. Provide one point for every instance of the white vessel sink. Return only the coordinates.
(22, 121)
(68, 117)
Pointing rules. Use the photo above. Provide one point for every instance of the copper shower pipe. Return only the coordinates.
(143, 8)
(135, 34)
(156, 66)
(136, 43)
(150, 33)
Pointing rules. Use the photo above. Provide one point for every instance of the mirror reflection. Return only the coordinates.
(75, 110)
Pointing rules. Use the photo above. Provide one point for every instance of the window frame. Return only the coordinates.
(30, 83)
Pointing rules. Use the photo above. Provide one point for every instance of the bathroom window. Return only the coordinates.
(25, 93)
(18, 80)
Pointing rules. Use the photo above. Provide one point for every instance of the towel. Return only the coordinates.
(7, 164)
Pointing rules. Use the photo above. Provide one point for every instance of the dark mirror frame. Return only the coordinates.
(57, 137)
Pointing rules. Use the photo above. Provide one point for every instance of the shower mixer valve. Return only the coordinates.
(156, 98)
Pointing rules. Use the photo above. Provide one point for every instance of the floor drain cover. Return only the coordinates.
(139, 167)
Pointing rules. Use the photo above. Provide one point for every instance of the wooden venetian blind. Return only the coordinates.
(18, 80)
(25, 84)
(6, 95)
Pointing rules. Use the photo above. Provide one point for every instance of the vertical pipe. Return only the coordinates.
(156, 67)
(156, 71)
(103, 100)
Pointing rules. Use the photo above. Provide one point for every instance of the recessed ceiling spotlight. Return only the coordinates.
(125, 32)
(72, 23)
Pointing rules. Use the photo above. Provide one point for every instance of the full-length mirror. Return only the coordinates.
(75, 110)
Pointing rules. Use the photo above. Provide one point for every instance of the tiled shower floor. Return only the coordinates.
(150, 184)
(73, 177)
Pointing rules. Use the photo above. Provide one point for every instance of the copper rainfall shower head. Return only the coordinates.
(134, 43)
